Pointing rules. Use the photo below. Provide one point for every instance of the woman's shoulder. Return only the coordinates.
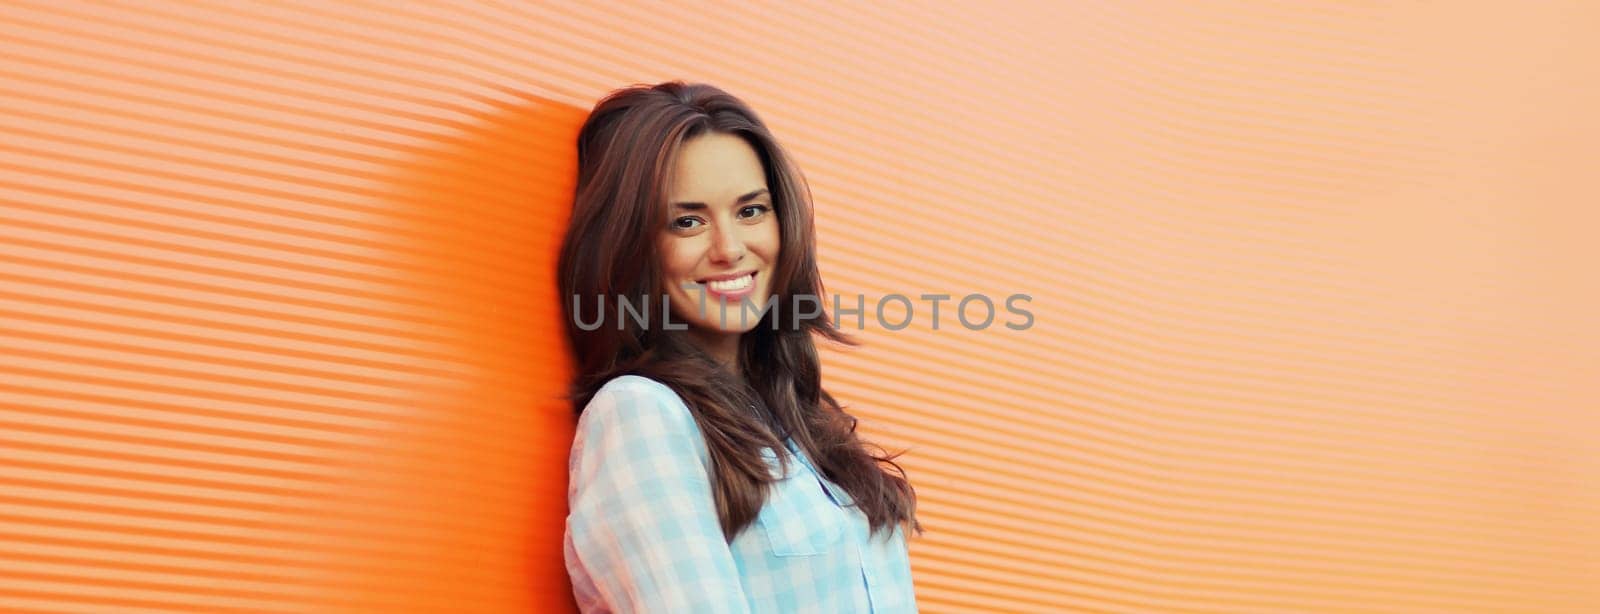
(637, 393)
(645, 413)
(638, 383)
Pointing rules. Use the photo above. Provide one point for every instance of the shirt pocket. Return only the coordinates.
(798, 518)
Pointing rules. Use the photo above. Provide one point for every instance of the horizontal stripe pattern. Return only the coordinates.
(1310, 313)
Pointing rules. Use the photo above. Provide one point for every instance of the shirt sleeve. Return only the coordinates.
(643, 521)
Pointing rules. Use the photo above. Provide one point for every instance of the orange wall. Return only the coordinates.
(1313, 331)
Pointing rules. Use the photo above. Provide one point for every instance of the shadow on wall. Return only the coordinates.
(461, 506)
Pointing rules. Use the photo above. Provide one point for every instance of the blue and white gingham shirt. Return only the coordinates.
(642, 532)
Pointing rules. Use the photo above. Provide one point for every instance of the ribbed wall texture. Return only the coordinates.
(1311, 289)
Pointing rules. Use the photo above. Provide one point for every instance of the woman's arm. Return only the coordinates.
(642, 519)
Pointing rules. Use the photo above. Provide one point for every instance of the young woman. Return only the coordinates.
(711, 472)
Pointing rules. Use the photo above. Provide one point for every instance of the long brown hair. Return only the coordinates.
(626, 151)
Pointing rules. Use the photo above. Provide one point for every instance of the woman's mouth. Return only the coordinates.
(732, 289)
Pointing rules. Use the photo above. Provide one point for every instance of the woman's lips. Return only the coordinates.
(732, 290)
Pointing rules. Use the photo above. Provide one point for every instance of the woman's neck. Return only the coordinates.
(722, 347)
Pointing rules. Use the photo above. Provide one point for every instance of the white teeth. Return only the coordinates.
(732, 284)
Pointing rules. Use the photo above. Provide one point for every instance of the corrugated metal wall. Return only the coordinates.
(1311, 287)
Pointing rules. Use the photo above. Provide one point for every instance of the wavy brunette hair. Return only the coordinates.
(627, 149)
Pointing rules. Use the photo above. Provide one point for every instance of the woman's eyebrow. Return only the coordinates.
(692, 206)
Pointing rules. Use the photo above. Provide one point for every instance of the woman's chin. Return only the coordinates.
(732, 327)
(734, 316)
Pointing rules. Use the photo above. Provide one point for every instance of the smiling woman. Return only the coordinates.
(724, 250)
(710, 471)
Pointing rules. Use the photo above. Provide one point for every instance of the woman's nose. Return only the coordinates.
(727, 246)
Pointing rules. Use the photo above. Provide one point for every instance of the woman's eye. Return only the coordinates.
(758, 210)
(685, 223)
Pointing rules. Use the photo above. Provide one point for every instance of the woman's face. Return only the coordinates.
(721, 241)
